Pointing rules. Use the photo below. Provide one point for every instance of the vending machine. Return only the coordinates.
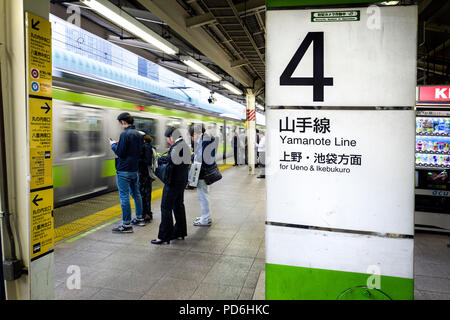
(432, 193)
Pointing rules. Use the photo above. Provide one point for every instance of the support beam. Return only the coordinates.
(238, 63)
(251, 131)
(201, 20)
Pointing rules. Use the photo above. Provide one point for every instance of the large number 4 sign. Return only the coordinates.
(317, 81)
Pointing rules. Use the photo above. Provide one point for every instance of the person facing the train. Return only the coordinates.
(178, 158)
(128, 150)
(147, 166)
(204, 152)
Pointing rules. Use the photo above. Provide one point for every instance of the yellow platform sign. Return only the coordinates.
(40, 126)
(39, 56)
(41, 207)
(41, 154)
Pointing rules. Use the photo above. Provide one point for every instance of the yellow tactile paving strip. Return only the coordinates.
(68, 230)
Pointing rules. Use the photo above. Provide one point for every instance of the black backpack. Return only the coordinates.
(149, 158)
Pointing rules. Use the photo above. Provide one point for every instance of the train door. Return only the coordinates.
(81, 145)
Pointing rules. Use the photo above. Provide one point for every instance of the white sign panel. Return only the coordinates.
(344, 169)
(342, 57)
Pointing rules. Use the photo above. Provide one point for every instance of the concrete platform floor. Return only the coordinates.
(222, 262)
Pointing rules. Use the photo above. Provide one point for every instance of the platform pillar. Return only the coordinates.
(340, 135)
(251, 131)
(25, 62)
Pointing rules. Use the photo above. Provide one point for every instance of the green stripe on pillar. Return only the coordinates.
(298, 283)
(61, 176)
(306, 3)
(108, 168)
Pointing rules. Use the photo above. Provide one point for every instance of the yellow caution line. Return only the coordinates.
(77, 226)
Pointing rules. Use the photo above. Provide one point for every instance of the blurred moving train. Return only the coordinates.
(85, 117)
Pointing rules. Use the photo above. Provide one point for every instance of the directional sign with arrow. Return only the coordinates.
(36, 200)
(35, 24)
(46, 107)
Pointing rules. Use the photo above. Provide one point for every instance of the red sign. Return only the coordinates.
(434, 93)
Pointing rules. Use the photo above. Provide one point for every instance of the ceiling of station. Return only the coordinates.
(228, 36)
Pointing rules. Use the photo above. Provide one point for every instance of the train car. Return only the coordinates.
(85, 117)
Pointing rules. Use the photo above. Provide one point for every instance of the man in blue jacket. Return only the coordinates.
(128, 150)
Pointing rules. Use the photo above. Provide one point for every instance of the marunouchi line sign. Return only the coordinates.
(340, 179)
(40, 124)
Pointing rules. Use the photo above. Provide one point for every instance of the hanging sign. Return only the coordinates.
(361, 57)
(39, 79)
(343, 156)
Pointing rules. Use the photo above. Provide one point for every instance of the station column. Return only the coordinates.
(251, 130)
(27, 184)
(340, 93)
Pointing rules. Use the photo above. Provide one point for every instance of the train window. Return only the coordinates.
(95, 143)
(72, 133)
(146, 125)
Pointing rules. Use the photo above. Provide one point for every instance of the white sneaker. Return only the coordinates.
(199, 218)
(199, 224)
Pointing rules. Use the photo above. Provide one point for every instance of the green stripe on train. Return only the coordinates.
(298, 283)
(61, 176)
(108, 168)
(114, 103)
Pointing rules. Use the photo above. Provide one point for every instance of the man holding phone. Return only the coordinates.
(128, 150)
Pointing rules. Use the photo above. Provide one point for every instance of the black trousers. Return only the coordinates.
(172, 200)
(145, 187)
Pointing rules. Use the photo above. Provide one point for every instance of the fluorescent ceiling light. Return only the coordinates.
(124, 20)
(197, 66)
(390, 3)
(231, 87)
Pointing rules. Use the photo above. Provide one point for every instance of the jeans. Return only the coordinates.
(203, 197)
(128, 183)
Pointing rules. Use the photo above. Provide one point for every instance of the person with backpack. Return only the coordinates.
(204, 152)
(147, 166)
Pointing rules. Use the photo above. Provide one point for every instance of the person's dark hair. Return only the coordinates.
(125, 116)
(148, 139)
(194, 126)
(169, 131)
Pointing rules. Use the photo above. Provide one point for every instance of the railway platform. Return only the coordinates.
(222, 261)
(225, 261)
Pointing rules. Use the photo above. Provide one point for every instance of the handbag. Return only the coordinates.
(211, 174)
(152, 167)
(194, 173)
(164, 172)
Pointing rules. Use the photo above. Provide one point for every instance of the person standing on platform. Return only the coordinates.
(261, 146)
(178, 157)
(205, 152)
(235, 147)
(147, 165)
(128, 151)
